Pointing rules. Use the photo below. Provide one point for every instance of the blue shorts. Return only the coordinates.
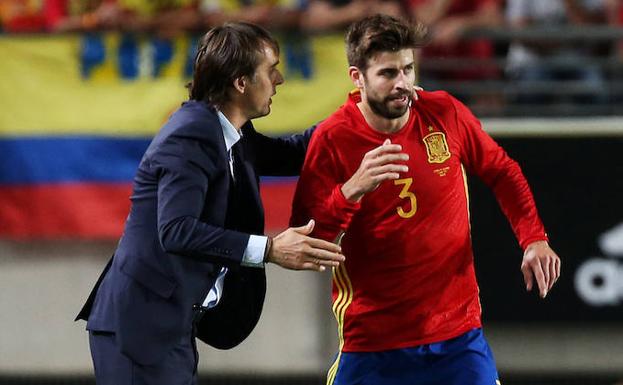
(464, 360)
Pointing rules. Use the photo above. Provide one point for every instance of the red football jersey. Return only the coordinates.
(409, 276)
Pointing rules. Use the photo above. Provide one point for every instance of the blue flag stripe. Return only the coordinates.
(42, 160)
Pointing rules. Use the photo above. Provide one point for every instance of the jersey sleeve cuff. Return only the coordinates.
(525, 243)
(342, 203)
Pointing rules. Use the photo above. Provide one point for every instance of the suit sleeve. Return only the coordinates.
(482, 156)
(318, 193)
(182, 168)
(278, 156)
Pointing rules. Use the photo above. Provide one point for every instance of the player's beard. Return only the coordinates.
(384, 109)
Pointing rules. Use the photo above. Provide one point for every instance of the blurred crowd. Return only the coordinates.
(447, 18)
(526, 60)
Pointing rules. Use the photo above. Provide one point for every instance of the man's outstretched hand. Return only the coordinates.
(294, 249)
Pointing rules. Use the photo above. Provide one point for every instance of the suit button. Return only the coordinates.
(196, 306)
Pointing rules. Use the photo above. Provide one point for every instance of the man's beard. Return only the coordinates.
(381, 107)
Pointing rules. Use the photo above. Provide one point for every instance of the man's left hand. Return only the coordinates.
(540, 262)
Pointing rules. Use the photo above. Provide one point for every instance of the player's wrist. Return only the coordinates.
(535, 244)
(351, 193)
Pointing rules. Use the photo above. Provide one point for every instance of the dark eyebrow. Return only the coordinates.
(386, 70)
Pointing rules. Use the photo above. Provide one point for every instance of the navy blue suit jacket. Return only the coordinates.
(176, 241)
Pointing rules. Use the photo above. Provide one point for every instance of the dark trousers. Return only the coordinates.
(112, 367)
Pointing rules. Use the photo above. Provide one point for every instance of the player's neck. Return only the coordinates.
(380, 123)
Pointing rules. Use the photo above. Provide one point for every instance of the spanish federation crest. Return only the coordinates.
(437, 147)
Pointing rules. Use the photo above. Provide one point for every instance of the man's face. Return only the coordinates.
(262, 85)
(387, 84)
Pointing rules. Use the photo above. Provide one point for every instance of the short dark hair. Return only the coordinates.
(226, 53)
(381, 33)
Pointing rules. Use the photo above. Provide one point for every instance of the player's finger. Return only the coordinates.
(377, 179)
(389, 168)
(554, 272)
(537, 269)
(546, 265)
(414, 94)
(527, 276)
(388, 158)
(382, 149)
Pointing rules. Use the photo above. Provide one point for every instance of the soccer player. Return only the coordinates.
(385, 175)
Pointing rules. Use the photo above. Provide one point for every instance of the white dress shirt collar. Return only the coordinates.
(229, 131)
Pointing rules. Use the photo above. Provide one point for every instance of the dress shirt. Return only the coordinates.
(256, 247)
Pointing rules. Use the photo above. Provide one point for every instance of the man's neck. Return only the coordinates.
(234, 115)
(380, 123)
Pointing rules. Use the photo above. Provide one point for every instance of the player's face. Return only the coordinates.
(263, 85)
(387, 84)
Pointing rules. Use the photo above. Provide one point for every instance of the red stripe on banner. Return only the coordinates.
(91, 211)
(277, 199)
(98, 210)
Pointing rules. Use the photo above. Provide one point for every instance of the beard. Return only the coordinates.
(382, 107)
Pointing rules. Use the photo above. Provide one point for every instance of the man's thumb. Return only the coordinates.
(307, 229)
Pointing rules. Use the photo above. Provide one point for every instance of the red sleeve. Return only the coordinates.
(482, 156)
(318, 193)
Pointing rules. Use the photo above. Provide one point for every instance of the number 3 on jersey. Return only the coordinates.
(406, 194)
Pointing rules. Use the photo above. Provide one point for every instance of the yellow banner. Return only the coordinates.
(120, 85)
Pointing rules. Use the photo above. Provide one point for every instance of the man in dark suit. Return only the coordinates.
(190, 261)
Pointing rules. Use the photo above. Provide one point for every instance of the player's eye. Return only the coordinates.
(389, 73)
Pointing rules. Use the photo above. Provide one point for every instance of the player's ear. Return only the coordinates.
(356, 76)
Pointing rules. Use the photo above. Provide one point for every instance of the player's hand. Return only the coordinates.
(540, 263)
(377, 165)
(416, 89)
(293, 249)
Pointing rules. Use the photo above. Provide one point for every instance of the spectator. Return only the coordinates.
(204, 14)
(448, 20)
(76, 16)
(167, 17)
(274, 15)
(329, 15)
(32, 16)
(537, 61)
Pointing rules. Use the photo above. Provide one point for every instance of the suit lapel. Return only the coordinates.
(247, 177)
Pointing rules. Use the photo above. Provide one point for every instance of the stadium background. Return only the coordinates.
(78, 110)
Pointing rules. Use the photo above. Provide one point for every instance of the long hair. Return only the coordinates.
(226, 53)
